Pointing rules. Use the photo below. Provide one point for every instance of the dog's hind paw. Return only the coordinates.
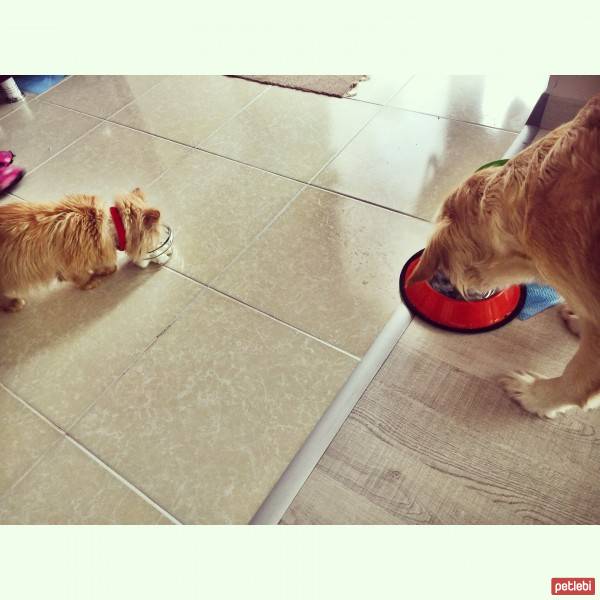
(14, 305)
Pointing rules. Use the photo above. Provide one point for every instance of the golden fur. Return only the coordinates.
(537, 218)
(72, 240)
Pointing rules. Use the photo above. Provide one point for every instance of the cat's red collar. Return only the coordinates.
(119, 228)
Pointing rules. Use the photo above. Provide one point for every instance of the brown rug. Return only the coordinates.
(329, 85)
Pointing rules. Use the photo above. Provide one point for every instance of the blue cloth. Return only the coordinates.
(36, 84)
(539, 298)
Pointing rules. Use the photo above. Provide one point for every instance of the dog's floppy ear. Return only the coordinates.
(433, 258)
(151, 216)
(137, 192)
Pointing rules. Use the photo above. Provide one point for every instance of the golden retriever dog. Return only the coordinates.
(75, 240)
(536, 218)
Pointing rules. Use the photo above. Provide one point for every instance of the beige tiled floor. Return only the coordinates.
(189, 109)
(24, 437)
(290, 133)
(329, 265)
(381, 88)
(92, 495)
(497, 101)
(68, 346)
(217, 207)
(111, 159)
(409, 161)
(100, 95)
(36, 131)
(198, 398)
(215, 411)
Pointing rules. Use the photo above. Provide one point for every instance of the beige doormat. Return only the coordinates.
(330, 85)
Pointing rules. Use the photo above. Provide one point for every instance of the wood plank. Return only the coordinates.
(435, 440)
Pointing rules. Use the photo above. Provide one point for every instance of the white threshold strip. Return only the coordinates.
(297, 472)
(277, 502)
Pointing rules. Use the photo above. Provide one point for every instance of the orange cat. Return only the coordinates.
(75, 239)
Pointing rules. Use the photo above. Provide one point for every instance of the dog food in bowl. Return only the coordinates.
(440, 283)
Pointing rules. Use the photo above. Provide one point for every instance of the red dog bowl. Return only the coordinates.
(464, 316)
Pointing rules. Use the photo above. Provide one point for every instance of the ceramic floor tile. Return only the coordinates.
(67, 345)
(37, 131)
(100, 95)
(9, 198)
(189, 109)
(216, 207)
(8, 107)
(289, 132)
(109, 160)
(381, 88)
(329, 266)
(496, 101)
(24, 437)
(208, 421)
(69, 488)
(410, 162)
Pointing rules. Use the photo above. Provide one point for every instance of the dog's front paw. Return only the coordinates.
(534, 394)
(518, 385)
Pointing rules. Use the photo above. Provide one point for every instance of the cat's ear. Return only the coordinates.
(137, 192)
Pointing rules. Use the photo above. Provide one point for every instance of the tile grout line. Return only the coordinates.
(232, 117)
(112, 114)
(382, 107)
(32, 467)
(259, 234)
(34, 410)
(211, 288)
(369, 202)
(102, 120)
(453, 119)
(386, 102)
(123, 480)
(136, 360)
(61, 433)
(285, 208)
(36, 97)
(65, 435)
(32, 171)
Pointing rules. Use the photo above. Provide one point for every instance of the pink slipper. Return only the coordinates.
(6, 157)
(9, 176)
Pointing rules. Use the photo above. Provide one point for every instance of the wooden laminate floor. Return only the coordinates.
(435, 440)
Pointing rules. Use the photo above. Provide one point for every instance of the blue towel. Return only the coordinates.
(539, 298)
(36, 84)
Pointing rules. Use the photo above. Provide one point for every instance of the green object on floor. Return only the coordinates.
(494, 163)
